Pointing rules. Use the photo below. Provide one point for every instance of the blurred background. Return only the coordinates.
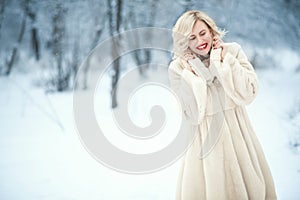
(43, 44)
(54, 37)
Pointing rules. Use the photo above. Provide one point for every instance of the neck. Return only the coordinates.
(204, 57)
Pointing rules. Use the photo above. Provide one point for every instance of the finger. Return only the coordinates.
(215, 38)
(187, 66)
(223, 53)
(216, 44)
(222, 44)
(188, 57)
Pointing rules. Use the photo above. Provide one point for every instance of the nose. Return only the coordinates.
(199, 41)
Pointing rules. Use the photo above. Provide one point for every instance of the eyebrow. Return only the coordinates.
(199, 32)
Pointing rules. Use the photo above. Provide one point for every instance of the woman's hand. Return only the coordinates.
(218, 43)
(185, 59)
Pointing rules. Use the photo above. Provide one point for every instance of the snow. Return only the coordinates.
(42, 155)
(43, 158)
(40, 160)
(278, 92)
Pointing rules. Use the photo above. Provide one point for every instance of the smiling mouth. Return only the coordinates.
(202, 46)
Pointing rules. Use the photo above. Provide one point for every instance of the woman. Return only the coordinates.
(214, 81)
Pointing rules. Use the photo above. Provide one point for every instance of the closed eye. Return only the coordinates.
(202, 33)
(192, 37)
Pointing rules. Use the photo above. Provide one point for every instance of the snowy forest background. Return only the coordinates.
(42, 45)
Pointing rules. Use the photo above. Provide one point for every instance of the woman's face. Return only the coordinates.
(200, 41)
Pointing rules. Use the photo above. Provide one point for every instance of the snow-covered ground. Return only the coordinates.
(42, 156)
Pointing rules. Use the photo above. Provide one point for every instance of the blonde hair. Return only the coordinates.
(183, 29)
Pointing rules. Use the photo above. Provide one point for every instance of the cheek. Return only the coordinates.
(209, 38)
(192, 44)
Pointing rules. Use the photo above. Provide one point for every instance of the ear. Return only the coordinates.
(211, 33)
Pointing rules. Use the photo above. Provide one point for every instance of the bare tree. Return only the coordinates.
(74, 63)
(142, 57)
(188, 4)
(15, 49)
(2, 8)
(115, 20)
(62, 77)
(35, 44)
(99, 23)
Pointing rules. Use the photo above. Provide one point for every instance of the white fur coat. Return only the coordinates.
(233, 165)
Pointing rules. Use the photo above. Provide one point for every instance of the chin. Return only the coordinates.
(203, 52)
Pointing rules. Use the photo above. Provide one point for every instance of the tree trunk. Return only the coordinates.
(75, 61)
(115, 20)
(2, 8)
(16, 47)
(187, 4)
(35, 43)
(142, 56)
(94, 43)
(115, 77)
(62, 76)
(34, 32)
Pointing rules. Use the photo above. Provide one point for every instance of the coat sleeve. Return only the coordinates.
(238, 77)
(191, 90)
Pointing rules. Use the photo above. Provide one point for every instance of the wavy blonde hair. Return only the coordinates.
(183, 29)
